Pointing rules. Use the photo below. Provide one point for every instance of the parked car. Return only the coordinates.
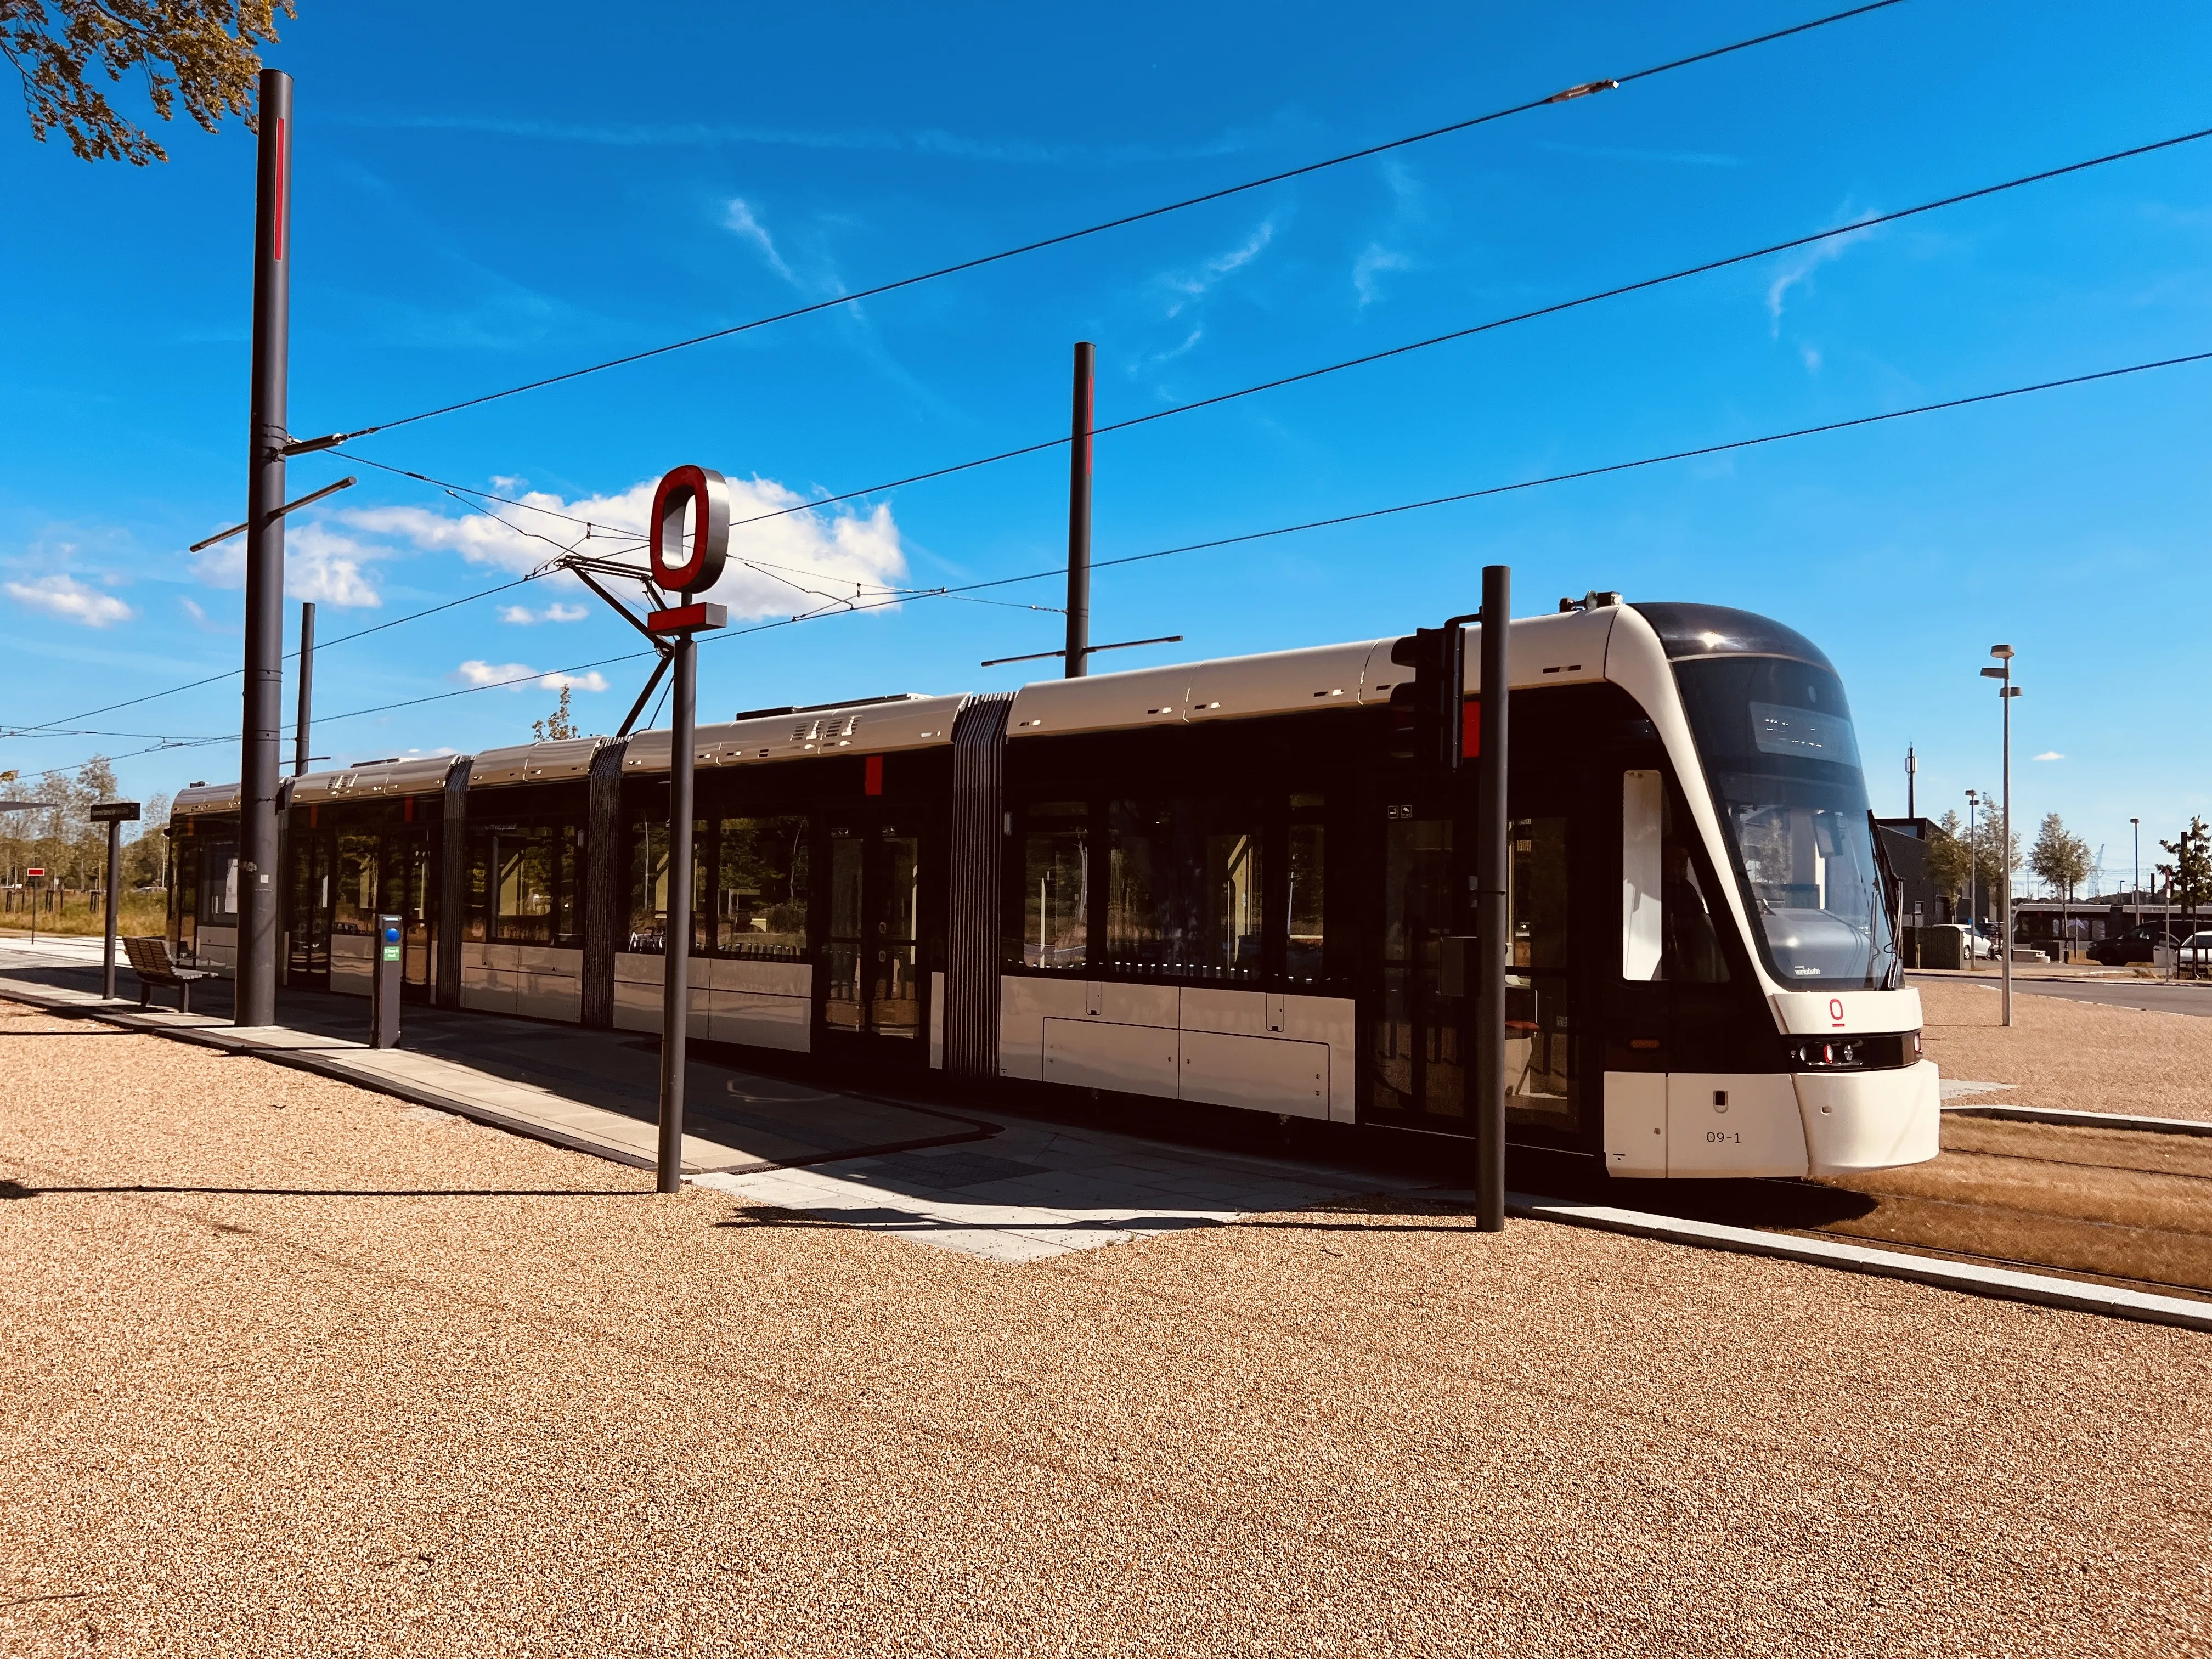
(2137, 944)
(2195, 951)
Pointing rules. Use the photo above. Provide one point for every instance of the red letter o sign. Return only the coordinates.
(704, 491)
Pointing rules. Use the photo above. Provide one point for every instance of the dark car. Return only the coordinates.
(2135, 945)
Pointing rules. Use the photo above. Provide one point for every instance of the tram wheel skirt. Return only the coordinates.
(1702, 1125)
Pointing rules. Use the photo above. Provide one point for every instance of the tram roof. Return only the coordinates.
(1548, 650)
(1718, 630)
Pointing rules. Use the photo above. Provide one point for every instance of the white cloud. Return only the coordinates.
(1811, 356)
(739, 218)
(819, 555)
(1799, 266)
(320, 563)
(516, 676)
(2051, 754)
(1194, 285)
(70, 599)
(1371, 264)
(522, 615)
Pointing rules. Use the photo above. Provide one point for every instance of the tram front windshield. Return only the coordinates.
(1775, 737)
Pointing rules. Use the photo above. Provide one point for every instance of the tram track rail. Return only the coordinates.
(2127, 1208)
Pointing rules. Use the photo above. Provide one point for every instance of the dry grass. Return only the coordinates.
(2078, 1056)
(143, 914)
(290, 1368)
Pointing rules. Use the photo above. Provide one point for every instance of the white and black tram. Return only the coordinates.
(1206, 883)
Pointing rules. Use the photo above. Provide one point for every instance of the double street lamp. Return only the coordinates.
(2006, 692)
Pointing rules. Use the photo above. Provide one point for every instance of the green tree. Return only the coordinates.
(2189, 877)
(2063, 861)
(145, 855)
(1996, 855)
(561, 723)
(206, 53)
(1946, 858)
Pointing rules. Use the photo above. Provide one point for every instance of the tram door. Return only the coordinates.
(312, 857)
(408, 880)
(1415, 1073)
(1420, 1003)
(872, 999)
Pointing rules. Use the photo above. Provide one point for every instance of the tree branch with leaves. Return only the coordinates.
(205, 54)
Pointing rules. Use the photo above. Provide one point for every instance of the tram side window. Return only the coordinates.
(648, 888)
(1667, 930)
(352, 909)
(218, 895)
(522, 884)
(187, 901)
(1185, 889)
(760, 874)
(1304, 957)
(1055, 875)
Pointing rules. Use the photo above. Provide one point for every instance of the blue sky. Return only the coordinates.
(484, 195)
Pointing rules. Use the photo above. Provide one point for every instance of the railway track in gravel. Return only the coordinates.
(2126, 1207)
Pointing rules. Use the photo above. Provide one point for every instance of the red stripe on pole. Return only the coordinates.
(283, 188)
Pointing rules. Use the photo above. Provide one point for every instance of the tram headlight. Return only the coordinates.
(1855, 1053)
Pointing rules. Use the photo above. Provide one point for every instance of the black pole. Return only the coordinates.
(676, 994)
(1079, 518)
(114, 870)
(261, 731)
(1494, 854)
(307, 689)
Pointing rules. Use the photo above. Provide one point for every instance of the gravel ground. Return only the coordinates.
(290, 1368)
(2079, 1056)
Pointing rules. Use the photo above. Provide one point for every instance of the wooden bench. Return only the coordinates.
(150, 960)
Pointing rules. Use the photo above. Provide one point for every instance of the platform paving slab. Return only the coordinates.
(592, 1091)
(1036, 1191)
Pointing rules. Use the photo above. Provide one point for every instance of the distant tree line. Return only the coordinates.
(62, 839)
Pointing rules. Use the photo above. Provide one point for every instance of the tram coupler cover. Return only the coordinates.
(384, 983)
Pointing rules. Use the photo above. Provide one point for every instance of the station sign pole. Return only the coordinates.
(114, 814)
(34, 879)
(704, 496)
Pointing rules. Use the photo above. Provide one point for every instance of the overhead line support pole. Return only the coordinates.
(1079, 518)
(304, 719)
(1493, 855)
(261, 726)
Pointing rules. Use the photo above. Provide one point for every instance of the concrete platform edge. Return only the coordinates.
(2004, 1284)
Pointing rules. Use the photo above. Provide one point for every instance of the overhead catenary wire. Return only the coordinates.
(1565, 95)
(1853, 228)
(1968, 401)
(1054, 573)
(591, 527)
(233, 673)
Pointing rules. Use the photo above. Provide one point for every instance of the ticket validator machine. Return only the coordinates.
(383, 983)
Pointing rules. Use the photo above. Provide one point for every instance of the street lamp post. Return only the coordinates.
(2135, 880)
(2006, 692)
